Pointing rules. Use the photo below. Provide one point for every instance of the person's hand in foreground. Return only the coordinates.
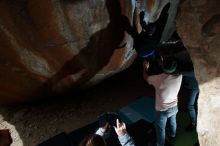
(120, 128)
(105, 128)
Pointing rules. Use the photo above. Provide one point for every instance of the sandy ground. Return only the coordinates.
(31, 124)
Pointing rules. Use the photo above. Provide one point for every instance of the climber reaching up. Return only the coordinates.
(146, 42)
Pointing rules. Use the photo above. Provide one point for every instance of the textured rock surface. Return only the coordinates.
(199, 26)
(69, 42)
(54, 45)
(74, 43)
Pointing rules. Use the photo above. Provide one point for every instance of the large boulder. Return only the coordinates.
(52, 45)
(61, 44)
(198, 24)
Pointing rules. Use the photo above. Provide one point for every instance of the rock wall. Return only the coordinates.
(60, 44)
(53, 45)
(198, 24)
(73, 43)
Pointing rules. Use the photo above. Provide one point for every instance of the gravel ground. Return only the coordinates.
(31, 124)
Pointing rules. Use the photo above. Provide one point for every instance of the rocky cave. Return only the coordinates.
(64, 62)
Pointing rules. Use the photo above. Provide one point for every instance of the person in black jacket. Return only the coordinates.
(146, 42)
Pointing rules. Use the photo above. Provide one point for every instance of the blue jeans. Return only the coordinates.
(192, 95)
(160, 124)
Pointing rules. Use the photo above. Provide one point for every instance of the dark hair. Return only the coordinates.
(93, 140)
(169, 65)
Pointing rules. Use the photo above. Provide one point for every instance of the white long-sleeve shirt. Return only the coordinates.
(166, 89)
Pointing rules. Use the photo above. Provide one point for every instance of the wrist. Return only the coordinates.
(121, 133)
(102, 130)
